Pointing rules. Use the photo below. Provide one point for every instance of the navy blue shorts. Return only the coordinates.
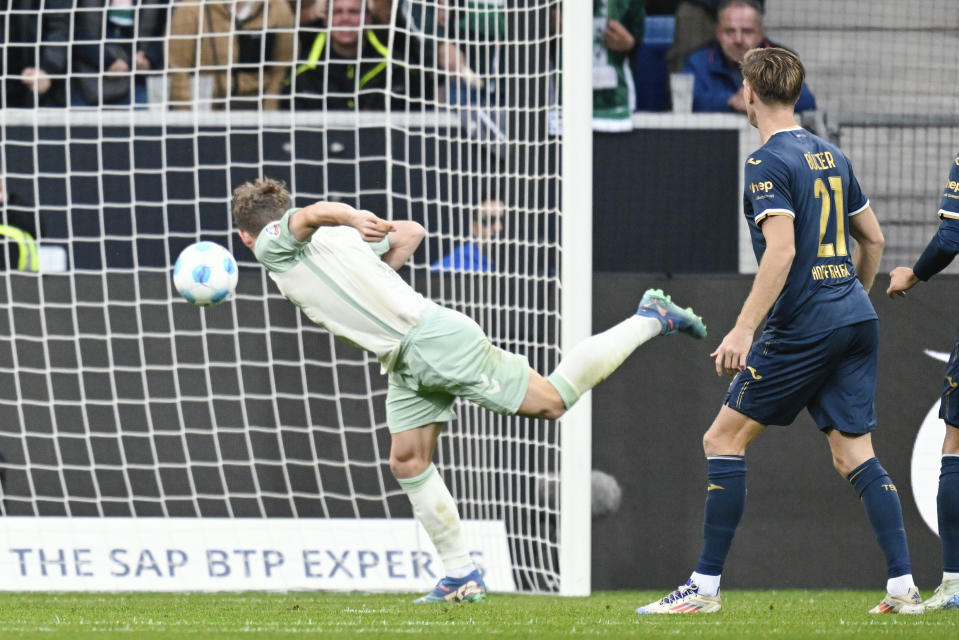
(949, 407)
(832, 374)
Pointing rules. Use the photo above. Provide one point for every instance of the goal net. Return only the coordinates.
(147, 443)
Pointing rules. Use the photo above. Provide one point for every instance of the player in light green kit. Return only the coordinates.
(338, 265)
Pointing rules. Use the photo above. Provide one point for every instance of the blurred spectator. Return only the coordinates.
(473, 255)
(695, 28)
(481, 28)
(718, 84)
(617, 33)
(246, 48)
(310, 10)
(35, 51)
(428, 21)
(346, 65)
(116, 42)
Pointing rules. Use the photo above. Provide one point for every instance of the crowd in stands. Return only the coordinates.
(715, 66)
(339, 54)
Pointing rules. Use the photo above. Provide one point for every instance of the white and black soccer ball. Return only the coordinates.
(205, 274)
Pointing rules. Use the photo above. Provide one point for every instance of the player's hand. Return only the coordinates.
(901, 279)
(371, 227)
(617, 38)
(731, 353)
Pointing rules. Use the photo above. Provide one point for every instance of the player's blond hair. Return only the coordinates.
(256, 204)
(776, 75)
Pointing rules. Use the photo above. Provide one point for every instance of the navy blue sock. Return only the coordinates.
(947, 502)
(725, 501)
(881, 500)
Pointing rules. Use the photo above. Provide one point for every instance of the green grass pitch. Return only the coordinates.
(746, 614)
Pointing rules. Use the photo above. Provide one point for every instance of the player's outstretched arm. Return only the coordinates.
(939, 253)
(305, 222)
(405, 237)
(864, 227)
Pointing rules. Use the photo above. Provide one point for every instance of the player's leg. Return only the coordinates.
(844, 408)
(947, 502)
(724, 444)
(595, 358)
(854, 458)
(415, 418)
(780, 378)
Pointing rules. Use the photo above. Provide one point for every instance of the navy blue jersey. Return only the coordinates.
(949, 207)
(802, 176)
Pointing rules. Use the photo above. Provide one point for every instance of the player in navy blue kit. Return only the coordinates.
(938, 254)
(818, 349)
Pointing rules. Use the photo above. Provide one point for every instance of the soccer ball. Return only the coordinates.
(205, 274)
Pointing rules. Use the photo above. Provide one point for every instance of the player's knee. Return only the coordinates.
(706, 443)
(407, 464)
(844, 464)
(950, 444)
(554, 410)
(715, 445)
(542, 401)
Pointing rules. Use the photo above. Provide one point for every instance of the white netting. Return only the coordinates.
(119, 399)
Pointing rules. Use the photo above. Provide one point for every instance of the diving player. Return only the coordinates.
(338, 265)
(938, 254)
(818, 349)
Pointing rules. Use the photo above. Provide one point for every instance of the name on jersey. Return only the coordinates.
(820, 161)
(762, 187)
(824, 271)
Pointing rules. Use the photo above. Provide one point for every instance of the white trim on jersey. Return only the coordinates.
(774, 212)
(859, 210)
(952, 215)
(796, 128)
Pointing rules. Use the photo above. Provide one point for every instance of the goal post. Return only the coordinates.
(149, 444)
(577, 284)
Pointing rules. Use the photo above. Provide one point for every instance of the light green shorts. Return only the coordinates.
(446, 356)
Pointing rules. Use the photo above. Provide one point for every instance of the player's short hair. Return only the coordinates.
(256, 204)
(776, 75)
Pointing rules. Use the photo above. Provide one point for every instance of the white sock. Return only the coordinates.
(435, 509)
(949, 575)
(592, 360)
(708, 585)
(900, 585)
(461, 572)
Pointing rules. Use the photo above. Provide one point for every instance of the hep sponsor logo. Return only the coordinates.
(761, 187)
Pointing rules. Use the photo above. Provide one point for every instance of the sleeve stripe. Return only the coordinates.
(943, 213)
(859, 210)
(774, 212)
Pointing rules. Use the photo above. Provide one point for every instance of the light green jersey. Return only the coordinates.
(341, 284)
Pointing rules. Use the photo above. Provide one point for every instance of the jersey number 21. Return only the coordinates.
(821, 191)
